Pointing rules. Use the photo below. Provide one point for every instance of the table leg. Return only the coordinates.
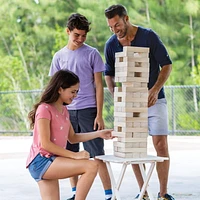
(121, 176)
(146, 178)
(116, 186)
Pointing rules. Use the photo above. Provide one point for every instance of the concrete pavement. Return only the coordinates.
(184, 182)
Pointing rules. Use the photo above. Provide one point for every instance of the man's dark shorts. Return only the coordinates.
(82, 122)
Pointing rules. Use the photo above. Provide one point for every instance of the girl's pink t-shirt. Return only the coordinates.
(59, 129)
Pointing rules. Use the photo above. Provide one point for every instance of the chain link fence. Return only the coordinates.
(183, 110)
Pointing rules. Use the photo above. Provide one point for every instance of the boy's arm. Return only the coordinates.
(99, 99)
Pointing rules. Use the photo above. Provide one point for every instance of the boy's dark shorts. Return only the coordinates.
(82, 122)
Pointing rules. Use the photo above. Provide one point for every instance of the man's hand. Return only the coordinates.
(152, 98)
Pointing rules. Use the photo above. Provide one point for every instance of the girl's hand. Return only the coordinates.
(106, 134)
(82, 155)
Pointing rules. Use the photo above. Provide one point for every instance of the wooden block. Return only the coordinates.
(121, 58)
(129, 124)
(135, 113)
(143, 65)
(136, 124)
(129, 132)
(122, 121)
(134, 129)
(124, 144)
(130, 97)
(130, 127)
(130, 100)
(119, 103)
(130, 155)
(131, 140)
(122, 134)
(120, 54)
(129, 105)
(132, 54)
(133, 150)
(129, 108)
(137, 104)
(140, 135)
(143, 144)
(129, 135)
(143, 124)
(128, 90)
(134, 84)
(132, 66)
(125, 155)
(135, 49)
(134, 144)
(144, 76)
(133, 124)
(119, 97)
(131, 114)
(131, 79)
(132, 109)
(123, 114)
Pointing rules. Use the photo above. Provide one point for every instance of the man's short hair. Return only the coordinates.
(79, 22)
(114, 10)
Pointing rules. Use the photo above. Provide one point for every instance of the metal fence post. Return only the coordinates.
(173, 111)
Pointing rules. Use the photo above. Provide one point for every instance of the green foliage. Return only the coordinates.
(189, 121)
(196, 72)
(183, 108)
(108, 110)
(32, 31)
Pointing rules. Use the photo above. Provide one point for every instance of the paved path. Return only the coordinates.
(184, 182)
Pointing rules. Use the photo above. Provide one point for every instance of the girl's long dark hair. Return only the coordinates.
(62, 78)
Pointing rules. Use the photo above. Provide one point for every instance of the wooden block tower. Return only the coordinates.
(130, 102)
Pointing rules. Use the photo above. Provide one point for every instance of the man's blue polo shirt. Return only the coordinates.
(158, 54)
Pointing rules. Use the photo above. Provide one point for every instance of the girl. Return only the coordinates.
(48, 159)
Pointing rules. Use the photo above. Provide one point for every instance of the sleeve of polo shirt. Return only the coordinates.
(158, 50)
(110, 60)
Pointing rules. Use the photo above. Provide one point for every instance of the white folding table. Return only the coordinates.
(146, 175)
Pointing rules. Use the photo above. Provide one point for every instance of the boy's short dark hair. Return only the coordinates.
(79, 22)
(114, 10)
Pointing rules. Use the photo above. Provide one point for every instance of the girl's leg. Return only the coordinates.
(49, 189)
(84, 183)
(65, 168)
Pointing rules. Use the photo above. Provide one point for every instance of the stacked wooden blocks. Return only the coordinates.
(130, 102)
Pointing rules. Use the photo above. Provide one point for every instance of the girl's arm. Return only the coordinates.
(82, 137)
(48, 145)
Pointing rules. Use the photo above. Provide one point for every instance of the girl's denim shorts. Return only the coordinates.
(39, 166)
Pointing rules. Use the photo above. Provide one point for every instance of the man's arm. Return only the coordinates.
(162, 78)
(110, 84)
(99, 99)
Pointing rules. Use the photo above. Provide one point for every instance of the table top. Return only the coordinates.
(115, 159)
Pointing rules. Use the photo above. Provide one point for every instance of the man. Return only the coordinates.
(127, 34)
(85, 110)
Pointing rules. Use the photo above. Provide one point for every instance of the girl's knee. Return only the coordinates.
(92, 167)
